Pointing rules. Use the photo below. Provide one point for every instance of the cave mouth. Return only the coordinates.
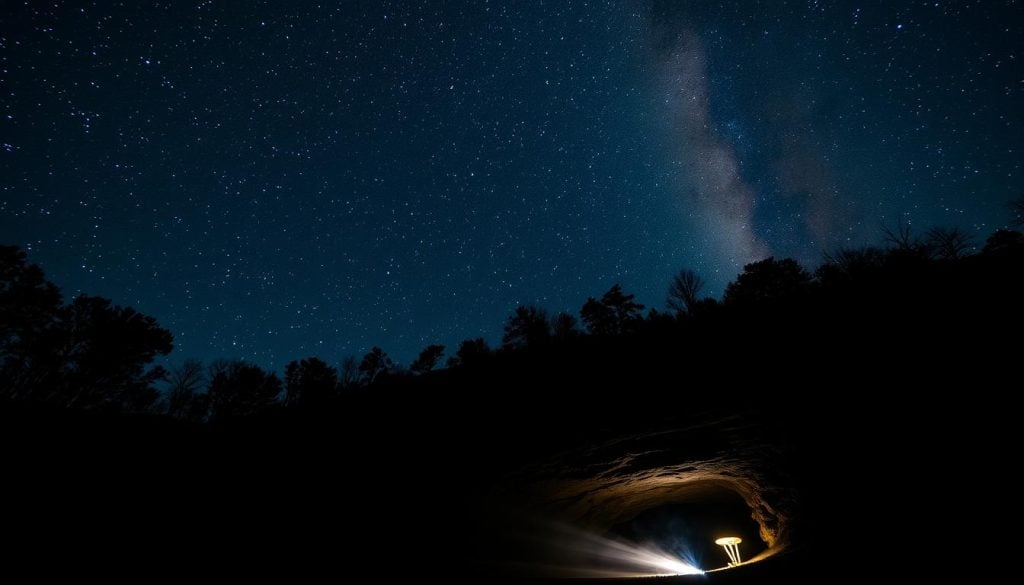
(689, 528)
(671, 492)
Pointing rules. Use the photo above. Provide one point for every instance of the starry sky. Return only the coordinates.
(275, 180)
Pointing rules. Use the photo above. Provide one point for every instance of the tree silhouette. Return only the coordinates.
(901, 238)
(684, 292)
(614, 314)
(184, 383)
(598, 318)
(527, 326)
(565, 326)
(30, 308)
(657, 320)
(849, 264)
(948, 243)
(1004, 241)
(471, 352)
(349, 378)
(1017, 212)
(218, 366)
(29, 305)
(198, 409)
(242, 389)
(110, 347)
(375, 364)
(768, 279)
(309, 383)
(427, 360)
(90, 355)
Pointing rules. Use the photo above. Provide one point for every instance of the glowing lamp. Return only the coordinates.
(731, 544)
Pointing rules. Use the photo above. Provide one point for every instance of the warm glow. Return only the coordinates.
(728, 540)
(732, 548)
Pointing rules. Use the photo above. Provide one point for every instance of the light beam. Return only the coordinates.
(582, 554)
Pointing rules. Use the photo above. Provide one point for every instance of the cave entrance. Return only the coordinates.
(690, 528)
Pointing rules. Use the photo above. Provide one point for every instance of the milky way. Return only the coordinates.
(290, 179)
(720, 202)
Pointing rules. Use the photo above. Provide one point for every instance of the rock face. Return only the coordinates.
(597, 488)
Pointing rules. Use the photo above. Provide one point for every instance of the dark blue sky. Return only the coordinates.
(274, 180)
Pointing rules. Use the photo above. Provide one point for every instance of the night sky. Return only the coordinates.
(275, 180)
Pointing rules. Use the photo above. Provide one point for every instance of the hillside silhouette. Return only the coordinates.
(853, 388)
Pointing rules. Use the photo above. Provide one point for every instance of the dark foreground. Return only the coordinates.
(865, 428)
(87, 495)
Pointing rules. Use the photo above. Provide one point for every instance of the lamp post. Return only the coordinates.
(731, 544)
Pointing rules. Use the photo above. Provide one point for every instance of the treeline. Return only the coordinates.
(90, 354)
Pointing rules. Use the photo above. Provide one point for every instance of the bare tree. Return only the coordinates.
(948, 243)
(845, 264)
(348, 378)
(219, 366)
(184, 382)
(900, 237)
(684, 292)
